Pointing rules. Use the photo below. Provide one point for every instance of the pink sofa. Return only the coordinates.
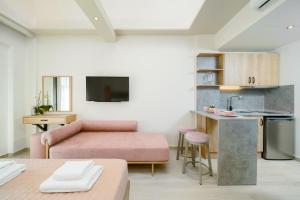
(88, 139)
(37, 149)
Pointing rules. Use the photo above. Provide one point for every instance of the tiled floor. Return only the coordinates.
(277, 180)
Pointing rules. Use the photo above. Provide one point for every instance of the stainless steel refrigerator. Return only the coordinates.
(279, 138)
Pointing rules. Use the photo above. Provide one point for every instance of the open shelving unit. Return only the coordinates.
(210, 66)
(209, 70)
(207, 86)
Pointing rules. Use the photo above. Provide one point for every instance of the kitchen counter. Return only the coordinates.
(245, 114)
(234, 139)
(265, 113)
(220, 117)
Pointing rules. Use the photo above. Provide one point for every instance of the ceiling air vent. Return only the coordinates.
(259, 4)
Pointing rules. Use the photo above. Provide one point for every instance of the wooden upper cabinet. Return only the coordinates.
(266, 71)
(236, 66)
(251, 69)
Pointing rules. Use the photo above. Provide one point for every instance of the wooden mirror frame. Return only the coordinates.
(70, 88)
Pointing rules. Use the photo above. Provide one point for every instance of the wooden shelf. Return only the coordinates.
(210, 54)
(208, 85)
(209, 70)
(210, 63)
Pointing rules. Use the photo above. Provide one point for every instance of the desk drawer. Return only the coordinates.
(44, 120)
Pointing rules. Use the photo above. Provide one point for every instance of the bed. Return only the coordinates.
(112, 185)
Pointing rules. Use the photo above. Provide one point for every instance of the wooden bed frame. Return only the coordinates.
(148, 163)
(128, 162)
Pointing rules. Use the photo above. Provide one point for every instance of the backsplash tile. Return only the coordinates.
(251, 99)
(280, 99)
(206, 97)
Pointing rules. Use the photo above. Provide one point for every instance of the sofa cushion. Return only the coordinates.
(131, 147)
(109, 126)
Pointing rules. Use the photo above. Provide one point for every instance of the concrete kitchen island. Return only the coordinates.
(233, 141)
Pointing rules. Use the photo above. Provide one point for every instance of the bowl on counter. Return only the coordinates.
(210, 110)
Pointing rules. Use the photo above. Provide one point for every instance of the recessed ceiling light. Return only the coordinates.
(96, 18)
(290, 27)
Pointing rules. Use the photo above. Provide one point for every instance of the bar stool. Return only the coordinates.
(182, 131)
(196, 138)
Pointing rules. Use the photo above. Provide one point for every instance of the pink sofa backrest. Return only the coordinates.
(59, 134)
(109, 126)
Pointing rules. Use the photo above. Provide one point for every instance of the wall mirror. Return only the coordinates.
(57, 91)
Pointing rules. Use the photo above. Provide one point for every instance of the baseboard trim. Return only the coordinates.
(297, 159)
(173, 147)
(4, 156)
(13, 154)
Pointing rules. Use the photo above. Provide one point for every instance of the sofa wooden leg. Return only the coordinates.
(152, 169)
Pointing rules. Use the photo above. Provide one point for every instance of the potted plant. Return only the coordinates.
(40, 109)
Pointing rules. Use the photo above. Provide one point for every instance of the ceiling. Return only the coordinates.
(270, 32)
(154, 14)
(125, 16)
(46, 14)
(235, 25)
(214, 14)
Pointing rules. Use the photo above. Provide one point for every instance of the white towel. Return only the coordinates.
(6, 163)
(73, 170)
(10, 172)
(85, 184)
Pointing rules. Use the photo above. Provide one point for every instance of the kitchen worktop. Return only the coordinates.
(220, 117)
(245, 114)
(265, 113)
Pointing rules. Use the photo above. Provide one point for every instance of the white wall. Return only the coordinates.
(289, 74)
(16, 76)
(4, 57)
(161, 71)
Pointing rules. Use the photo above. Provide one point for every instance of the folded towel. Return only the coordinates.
(6, 163)
(85, 184)
(73, 170)
(10, 172)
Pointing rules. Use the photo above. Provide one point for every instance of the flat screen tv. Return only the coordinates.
(107, 89)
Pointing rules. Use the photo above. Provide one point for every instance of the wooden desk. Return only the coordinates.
(42, 121)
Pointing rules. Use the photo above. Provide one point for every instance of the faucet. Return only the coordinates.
(229, 102)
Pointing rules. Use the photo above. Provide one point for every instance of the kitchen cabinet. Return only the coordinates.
(251, 69)
(260, 135)
(266, 70)
(211, 127)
